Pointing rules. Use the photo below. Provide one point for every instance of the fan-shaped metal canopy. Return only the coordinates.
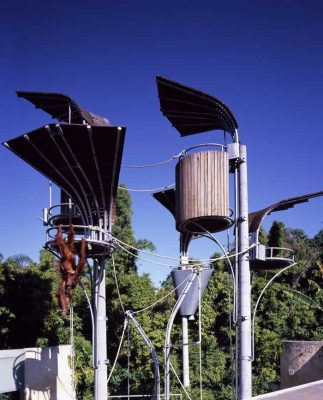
(82, 160)
(256, 218)
(62, 107)
(191, 111)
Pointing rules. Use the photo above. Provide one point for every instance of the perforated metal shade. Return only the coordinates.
(82, 160)
(256, 218)
(62, 107)
(167, 198)
(190, 303)
(191, 111)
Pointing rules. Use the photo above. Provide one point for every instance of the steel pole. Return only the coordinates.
(245, 357)
(185, 353)
(100, 336)
(185, 349)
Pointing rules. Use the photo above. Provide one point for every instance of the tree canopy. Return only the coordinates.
(291, 308)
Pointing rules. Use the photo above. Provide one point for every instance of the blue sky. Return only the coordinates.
(264, 59)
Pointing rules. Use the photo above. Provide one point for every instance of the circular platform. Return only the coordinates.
(65, 219)
(203, 224)
(270, 264)
(94, 248)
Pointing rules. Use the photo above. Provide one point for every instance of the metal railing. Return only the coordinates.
(283, 253)
(142, 396)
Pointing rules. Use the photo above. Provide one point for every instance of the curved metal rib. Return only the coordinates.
(58, 127)
(89, 129)
(27, 138)
(71, 169)
(152, 352)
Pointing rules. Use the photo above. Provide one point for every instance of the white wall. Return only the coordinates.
(43, 373)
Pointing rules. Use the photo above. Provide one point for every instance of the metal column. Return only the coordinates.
(245, 358)
(100, 335)
(185, 353)
(185, 349)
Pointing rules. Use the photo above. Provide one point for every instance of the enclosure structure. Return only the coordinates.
(264, 257)
(82, 157)
(201, 204)
(202, 191)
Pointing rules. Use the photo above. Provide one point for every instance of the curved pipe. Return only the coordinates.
(257, 303)
(152, 350)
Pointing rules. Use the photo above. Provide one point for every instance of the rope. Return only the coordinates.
(257, 303)
(162, 298)
(118, 351)
(202, 260)
(210, 236)
(180, 382)
(143, 259)
(231, 350)
(147, 190)
(147, 252)
(155, 164)
(200, 334)
(116, 282)
(72, 344)
(92, 317)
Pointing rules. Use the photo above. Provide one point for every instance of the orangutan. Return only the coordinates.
(70, 271)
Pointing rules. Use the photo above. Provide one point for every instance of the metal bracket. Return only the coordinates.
(105, 362)
(244, 318)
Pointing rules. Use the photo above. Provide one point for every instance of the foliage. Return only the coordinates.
(290, 309)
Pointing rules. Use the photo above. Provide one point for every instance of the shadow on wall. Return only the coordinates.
(37, 373)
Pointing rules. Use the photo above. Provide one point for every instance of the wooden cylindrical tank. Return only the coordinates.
(202, 192)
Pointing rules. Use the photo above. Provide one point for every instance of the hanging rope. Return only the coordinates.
(118, 351)
(147, 190)
(231, 350)
(155, 164)
(162, 298)
(200, 332)
(92, 318)
(116, 282)
(202, 260)
(72, 344)
(257, 303)
(146, 252)
(180, 382)
(213, 238)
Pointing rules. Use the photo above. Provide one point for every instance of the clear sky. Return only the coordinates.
(263, 58)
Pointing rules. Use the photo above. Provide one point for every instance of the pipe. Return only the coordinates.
(245, 356)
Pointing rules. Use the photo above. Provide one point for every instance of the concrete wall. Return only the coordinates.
(301, 362)
(11, 375)
(40, 373)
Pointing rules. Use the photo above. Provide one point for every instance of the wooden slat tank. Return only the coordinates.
(202, 192)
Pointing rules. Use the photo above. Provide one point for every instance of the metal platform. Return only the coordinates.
(270, 258)
(99, 243)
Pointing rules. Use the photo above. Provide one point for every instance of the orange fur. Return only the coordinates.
(68, 270)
